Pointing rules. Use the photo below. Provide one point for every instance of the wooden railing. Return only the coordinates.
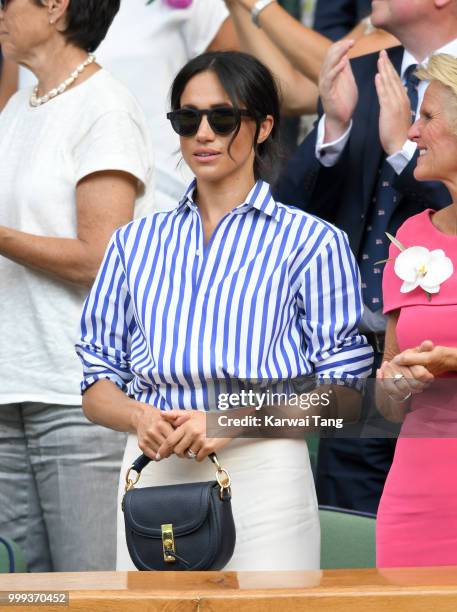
(396, 590)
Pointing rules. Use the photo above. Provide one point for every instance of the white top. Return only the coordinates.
(145, 48)
(45, 151)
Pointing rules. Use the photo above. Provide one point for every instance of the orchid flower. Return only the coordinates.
(419, 267)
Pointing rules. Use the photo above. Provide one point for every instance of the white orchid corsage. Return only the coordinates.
(417, 266)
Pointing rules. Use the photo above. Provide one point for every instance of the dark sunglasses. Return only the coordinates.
(4, 4)
(223, 121)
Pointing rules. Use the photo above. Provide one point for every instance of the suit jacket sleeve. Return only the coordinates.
(309, 185)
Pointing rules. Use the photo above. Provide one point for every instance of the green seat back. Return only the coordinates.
(11, 557)
(347, 539)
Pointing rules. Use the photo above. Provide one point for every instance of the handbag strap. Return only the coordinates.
(222, 476)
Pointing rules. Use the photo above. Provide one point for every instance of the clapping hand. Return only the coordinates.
(395, 108)
(338, 90)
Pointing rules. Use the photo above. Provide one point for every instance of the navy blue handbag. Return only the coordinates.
(179, 527)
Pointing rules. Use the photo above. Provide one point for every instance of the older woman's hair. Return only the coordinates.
(88, 21)
(443, 69)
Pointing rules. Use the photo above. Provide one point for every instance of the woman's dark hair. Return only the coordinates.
(248, 84)
(88, 21)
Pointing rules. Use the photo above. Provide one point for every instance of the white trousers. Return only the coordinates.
(273, 501)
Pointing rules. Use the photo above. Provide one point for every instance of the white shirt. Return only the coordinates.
(400, 159)
(95, 126)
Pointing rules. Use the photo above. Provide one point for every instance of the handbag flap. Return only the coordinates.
(186, 506)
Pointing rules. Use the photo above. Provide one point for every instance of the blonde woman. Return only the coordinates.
(417, 523)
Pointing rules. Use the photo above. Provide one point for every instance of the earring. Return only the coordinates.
(51, 21)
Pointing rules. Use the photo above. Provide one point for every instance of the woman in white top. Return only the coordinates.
(75, 165)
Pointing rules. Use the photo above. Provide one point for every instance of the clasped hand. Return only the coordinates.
(413, 370)
(161, 434)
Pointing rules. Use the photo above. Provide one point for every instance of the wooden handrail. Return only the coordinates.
(369, 590)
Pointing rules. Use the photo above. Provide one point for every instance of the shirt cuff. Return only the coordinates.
(400, 159)
(329, 153)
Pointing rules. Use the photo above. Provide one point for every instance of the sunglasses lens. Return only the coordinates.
(223, 120)
(185, 122)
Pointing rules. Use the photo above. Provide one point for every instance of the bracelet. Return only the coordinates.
(257, 9)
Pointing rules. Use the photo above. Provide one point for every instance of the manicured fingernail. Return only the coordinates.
(158, 457)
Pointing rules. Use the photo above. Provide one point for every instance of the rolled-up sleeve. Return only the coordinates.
(331, 308)
(106, 324)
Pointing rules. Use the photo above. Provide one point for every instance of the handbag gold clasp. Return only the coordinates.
(129, 483)
(222, 477)
(168, 543)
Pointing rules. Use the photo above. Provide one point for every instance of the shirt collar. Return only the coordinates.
(187, 199)
(408, 58)
(259, 197)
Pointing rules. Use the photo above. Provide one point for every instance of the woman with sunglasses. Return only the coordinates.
(75, 165)
(229, 285)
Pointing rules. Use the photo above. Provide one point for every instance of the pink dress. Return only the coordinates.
(417, 516)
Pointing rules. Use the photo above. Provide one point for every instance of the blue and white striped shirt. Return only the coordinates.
(274, 295)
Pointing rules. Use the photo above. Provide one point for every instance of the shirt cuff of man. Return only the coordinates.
(329, 153)
(400, 159)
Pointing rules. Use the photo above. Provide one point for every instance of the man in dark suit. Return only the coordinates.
(356, 170)
(335, 18)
